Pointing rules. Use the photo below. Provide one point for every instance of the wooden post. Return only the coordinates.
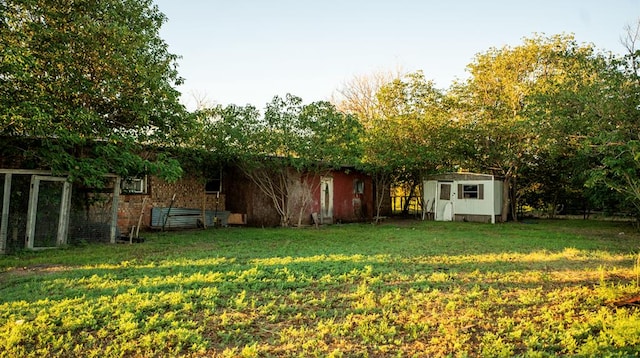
(4, 222)
(204, 210)
(32, 211)
(144, 202)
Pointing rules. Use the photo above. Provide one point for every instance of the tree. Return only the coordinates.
(586, 120)
(359, 96)
(499, 134)
(88, 82)
(415, 114)
(286, 148)
(615, 117)
(402, 140)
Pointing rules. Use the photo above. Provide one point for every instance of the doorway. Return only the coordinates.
(444, 200)
(326, 200)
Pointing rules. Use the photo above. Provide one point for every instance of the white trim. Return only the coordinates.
(135, 185)
(63, 219)
(4, 222)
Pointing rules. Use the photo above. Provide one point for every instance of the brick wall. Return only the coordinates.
(189, 193)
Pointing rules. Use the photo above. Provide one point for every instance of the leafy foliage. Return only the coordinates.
(93, 80)
(515, 108)
(290, 140)
(406, 137)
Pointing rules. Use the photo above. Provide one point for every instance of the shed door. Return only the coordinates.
(444, 201)
(326, 200)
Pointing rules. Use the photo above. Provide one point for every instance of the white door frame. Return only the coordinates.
(326, 200)
(441, 203)
(4, 221)
(65, 204)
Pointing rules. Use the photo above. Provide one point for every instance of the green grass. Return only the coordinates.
(540, 289)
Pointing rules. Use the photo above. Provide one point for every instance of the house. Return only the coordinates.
(463, 197)
(333, 196)
(40, 210)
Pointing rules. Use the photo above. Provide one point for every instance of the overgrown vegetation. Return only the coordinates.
(401, 289)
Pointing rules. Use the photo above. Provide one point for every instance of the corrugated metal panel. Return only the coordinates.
(184, 218)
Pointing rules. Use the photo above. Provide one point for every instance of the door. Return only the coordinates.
(444, 201)
(326, 200)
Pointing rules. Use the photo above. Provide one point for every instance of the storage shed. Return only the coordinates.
(462, 197)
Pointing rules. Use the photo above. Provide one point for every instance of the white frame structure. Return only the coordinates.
(326, 200)
(4, 221)
(483, 204)
(65, 205)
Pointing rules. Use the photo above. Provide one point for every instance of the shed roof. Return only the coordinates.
(460, 176)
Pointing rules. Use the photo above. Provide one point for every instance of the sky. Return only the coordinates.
(248, 51)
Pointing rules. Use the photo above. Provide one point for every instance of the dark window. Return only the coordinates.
(358, 186)
(445, 191)
(214, 185)
(471, 191)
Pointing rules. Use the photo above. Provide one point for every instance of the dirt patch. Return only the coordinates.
(31, 270)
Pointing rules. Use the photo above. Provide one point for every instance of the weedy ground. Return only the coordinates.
(540, 289)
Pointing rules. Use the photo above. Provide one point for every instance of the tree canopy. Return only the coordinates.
(88, 87)
(90, 81)
(290, 137)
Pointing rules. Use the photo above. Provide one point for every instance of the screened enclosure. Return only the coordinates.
(41, 211)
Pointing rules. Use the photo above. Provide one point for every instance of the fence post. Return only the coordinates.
(4, 222)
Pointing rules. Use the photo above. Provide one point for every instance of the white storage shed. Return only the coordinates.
(463, 197)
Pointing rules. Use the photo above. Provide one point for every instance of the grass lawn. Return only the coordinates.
(413, 288)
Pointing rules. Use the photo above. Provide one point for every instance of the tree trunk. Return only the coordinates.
(381, 183)
(405, 208)
(514, 198)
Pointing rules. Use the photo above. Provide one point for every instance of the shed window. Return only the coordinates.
(214, 185)
(471, 191)
(358, 186)
(445, 192)
(134, 185)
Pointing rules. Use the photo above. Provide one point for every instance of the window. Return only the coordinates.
(137, 185)
(445, 191)
(358, 186)
(214, 185)
(471, 191)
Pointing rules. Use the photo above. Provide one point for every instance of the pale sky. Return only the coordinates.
(247, 51)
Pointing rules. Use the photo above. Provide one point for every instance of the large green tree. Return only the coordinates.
(414, 120)
(84, 83)
(567, 116)
(498, 131)
(611, 105)
(405, 120)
